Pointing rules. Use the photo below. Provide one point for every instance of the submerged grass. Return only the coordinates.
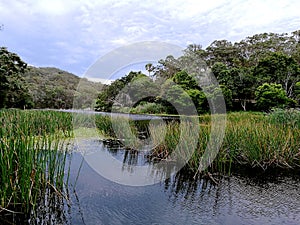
(33, 156)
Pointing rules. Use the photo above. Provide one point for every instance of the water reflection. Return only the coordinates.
(53, 208)
(180, 199)
(259, 199)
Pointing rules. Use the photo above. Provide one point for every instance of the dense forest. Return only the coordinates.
(260, 72)
(25, 86)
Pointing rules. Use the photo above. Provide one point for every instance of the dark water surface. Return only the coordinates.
(178, 200)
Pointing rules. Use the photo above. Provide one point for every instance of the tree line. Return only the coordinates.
(257, 73)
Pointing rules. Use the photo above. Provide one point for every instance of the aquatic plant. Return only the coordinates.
(33, 156)
(252, 140)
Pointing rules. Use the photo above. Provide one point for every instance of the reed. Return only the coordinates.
(252, 140)
(33, 156)
(122, 129)
(257, 140)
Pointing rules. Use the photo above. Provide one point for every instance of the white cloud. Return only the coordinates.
(72, 34)
(119, 41)
(103, 81)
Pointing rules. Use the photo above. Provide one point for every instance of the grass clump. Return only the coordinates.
(252, 140)
(33, 156)
(260, 141)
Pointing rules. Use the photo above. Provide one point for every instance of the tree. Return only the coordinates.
(107, 96)
(149, 67)
(18, 95)
(221, 51)
(176, 99)
(199, 99)
(252, 49)
(167, 68)
(141, 88)
(271, 95)
(237, 83)
(13, 89)
(240, 68)
(194, 91)
(278, 68)
(185, 80)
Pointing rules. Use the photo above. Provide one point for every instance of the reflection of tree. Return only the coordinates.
(129, 157)
(185, 185)
(180, 183)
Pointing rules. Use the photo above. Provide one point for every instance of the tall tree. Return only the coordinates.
(252, 49)
(278, 68)
(149, 67)
(13, 89)
(166, 68)
(221, 51)
(107, 97)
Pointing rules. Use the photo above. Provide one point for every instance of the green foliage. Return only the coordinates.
(271, 95)
(149, 108)
(54, 88)
(227, 94)
(240, 68)
(285, 117)
(237, 83)
(141, 87)
(221, 51)
(13, 89)
(186, 81)
(199, 99)
(176, 95)
(278, 68)
(251, 140)
(109, 93)
(27, 87)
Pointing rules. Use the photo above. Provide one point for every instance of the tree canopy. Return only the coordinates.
(13, 90)
(257, 73)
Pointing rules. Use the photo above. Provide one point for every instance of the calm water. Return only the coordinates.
(178, 200)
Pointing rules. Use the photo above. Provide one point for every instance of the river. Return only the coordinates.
(238, 199)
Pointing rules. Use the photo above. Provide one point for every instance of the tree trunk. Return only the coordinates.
(243, 103)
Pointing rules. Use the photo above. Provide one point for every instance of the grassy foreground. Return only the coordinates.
(33, 156)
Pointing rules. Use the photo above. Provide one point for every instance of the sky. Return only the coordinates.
(72, 35)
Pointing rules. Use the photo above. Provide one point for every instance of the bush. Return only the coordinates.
(149, 107)
(288, 117)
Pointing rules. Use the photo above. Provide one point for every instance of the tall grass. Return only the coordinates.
(33, 156)
(252, 140)
(123, 129)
